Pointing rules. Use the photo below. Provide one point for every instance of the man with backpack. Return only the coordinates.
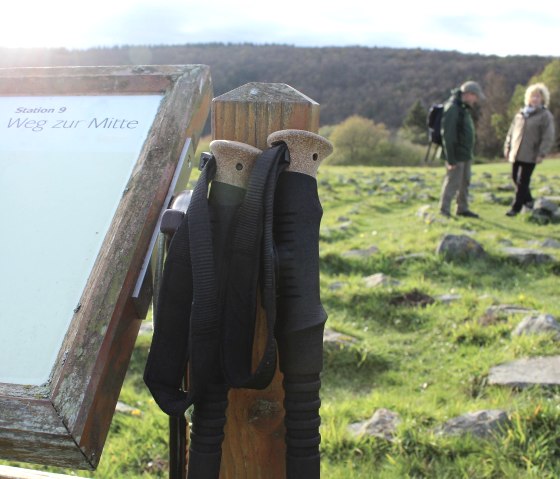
(458, 139)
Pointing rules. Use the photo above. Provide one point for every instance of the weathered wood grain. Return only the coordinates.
(254, 446)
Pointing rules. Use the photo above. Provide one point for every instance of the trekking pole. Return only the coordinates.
(301, 317)
(427, 156)
(234, 162)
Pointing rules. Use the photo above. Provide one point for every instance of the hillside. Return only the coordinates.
(377, 83)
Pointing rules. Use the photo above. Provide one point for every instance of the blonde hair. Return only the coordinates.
(542, 89)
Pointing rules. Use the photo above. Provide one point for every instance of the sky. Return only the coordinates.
(488, 27)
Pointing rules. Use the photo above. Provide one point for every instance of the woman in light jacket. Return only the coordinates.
(529, 139)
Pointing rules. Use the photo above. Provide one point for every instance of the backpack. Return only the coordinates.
(434, 123)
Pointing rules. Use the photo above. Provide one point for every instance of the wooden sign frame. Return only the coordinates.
(65, 421)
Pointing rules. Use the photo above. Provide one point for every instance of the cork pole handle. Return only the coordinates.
(307, 149)
(234, 161)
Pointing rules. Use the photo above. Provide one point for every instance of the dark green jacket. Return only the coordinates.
(457, 130)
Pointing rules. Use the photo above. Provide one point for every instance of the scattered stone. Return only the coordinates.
(334, 340)
(545, 204)
(337, 285)
(538, 371)
(546, 190)
(416, 178)
(424, 212)
(380, 279)
(385, 188)
(459, 247)
(382, 424)
(412, 298)
(361, 253)
(126, 409)
(345, 226)
(541, 324)
(506, 242)
(343, 219)
(551, 243)
(527, 256)
(448, 298)
(482, 424)
(500, 313)
(544, 211)
(507, 309)
(507, 187)
(490, 197)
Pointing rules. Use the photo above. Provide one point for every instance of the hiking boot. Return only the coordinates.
(512, 213)
(468, 214)
(445, 213)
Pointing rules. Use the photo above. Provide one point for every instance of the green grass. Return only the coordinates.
(428, 363)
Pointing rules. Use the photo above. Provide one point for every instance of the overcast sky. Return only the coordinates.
(473, 26)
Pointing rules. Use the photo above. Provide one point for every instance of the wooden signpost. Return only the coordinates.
(254, 446)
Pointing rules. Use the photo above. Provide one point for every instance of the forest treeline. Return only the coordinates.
(381, 84)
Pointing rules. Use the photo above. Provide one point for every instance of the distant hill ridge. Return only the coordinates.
(377, 83)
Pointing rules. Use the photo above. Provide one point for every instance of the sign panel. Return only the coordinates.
(64, 165)
(89, 157)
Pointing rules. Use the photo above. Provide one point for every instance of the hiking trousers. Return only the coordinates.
(521, 175)
(456, 183)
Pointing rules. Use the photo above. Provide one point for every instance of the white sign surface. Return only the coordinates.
(64, 165)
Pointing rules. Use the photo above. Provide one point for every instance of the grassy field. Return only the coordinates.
(427, 363)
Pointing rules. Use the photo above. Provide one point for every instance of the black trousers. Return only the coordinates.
(521, 175)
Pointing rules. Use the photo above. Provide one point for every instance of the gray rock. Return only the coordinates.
(361, 253)
(416, 178)
(380, 279)
(459, 247)
(507, 309)
(337, 285)
(545, 204)
(546, 190)
(126, 409)
(490, 197)
(550, 243)
(424, 211)
(528, 255)
(482, 424)
(496, 314)
(538, 371)
(333, 340)
(448, 298)
(382, 424)
(542, 324)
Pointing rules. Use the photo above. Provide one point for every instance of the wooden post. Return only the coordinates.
(254, 445)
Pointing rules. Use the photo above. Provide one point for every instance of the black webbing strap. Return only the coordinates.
(253, 262)
(176, 315)
(207, 295)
